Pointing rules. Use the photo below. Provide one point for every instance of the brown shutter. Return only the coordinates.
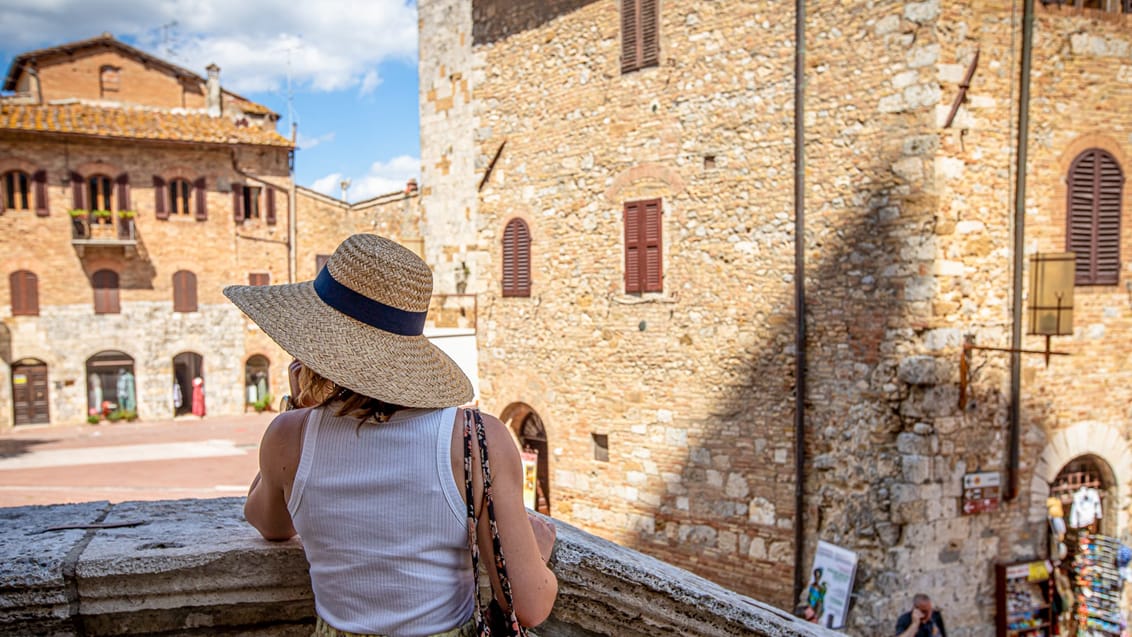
(1095, 192)
(40, 181)
(270, 206)
(633, 247)
(630, 36)
(31, 293)
(516, 259)
(184, 291)
(238, 202)
(105, 292)
(200, 186)
(159, 195)
(4, 183)
(191, 291)
(78, 191)
(123, 191)
(653, 274)
(16, 289)
(649, 19)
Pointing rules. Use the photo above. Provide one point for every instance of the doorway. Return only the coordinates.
(257, 383)
(187, 366)
(29, 393)
(110, 382)
(531, 433)
(1079, 476)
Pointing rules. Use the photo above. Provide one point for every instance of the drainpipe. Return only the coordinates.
(1019, 246)
(799, 293)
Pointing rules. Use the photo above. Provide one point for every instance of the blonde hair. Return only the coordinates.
(318, 391)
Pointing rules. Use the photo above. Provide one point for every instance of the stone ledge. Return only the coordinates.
(195, 567)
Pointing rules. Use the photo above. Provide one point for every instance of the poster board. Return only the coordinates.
(530, 477)
(830, 583)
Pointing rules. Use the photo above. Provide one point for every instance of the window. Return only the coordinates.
(109, 79)
(320, 262)
(259, 278)
(516, 259)
(1096, 185)
(643, 248)
(105, 284)
(100, 196)
(16, 189)
(179, 190)
(24, 287)
(184, 291)
(245, 202)
(640, 26)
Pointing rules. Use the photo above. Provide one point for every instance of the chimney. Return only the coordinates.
(410, 187)
(212, 86)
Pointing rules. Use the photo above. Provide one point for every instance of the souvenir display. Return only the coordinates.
(1023, 597)
(1097, 586)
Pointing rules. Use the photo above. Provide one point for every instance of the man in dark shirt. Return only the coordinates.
(921, 621)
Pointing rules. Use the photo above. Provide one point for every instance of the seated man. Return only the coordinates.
(921, 621)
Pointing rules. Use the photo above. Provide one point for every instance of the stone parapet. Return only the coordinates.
(195, 567)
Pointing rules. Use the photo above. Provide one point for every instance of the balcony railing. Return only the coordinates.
(195, 567)
(89, 230)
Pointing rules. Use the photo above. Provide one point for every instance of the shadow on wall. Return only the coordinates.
(496, 19)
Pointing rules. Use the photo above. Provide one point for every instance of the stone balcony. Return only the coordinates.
(194, 567)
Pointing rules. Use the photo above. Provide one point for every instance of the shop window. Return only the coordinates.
(24, 287)
(257, 382)
(111, 385)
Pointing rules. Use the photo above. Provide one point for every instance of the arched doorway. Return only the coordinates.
(1079, 475)
(111, 385)
(29, 392)
(187, 366)
(257, 380)
(531, 433)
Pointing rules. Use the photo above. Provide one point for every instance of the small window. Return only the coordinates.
(24, 287)
(251, 202)
(100, 196)
(105, 284)
(640, 28)
(110, 78)
(16, 186)
(1096, 190)
(320, 262)
(516, 259)
(601, 447)
(179, 195)
(643, 247)
(184, 291)
(259, 278)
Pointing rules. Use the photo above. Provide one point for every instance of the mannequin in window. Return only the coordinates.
(94, 393)
(127, 398)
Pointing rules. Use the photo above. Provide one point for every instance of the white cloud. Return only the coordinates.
(383, 178)
(306, 143)
(332, 44)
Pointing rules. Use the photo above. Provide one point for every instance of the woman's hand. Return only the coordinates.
(545, 534)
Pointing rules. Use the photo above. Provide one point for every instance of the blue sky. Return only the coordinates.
(352, 65)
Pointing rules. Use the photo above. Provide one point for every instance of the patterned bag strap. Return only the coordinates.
(496, 545)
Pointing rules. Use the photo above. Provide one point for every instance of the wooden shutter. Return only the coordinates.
(270, 206)
(653, 258)
(640, 34)
(159, 196)
(630, 36)
(633, 247)
(24, 287)
(1096, 185)
(516, 259)
(238, 202)
(184, 291)
(5, 183)
(123, 191)
(259, 278)
(78, 191)
(39, 179)
(649, 19)
(105, 292)
(200, 189)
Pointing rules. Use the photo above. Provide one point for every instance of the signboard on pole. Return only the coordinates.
(831, 584)
(981, 492)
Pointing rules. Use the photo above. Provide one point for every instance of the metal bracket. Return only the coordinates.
(965, 362)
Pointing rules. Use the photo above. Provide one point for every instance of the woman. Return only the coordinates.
(369, 469)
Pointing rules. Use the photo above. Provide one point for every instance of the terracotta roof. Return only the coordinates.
(252, 108)
(133, 123)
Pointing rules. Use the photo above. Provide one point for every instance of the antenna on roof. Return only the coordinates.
(168, 37)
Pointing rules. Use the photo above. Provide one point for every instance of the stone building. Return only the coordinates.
(626, 182)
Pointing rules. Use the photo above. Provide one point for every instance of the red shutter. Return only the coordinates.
(238, 202)
(159, 195)
(200, 187)
(40, 181)
(649, 19)
(654, 276)
(78, 191)
(516, 259)
(633, 247)
(259, 278)
(270, 206)
(630, 42)
(123, 191)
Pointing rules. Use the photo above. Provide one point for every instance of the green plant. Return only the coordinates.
(100, 214)
(93, 419)
(126, 214)
(77, 213)
(263, 404)
(130, 415)
(115, 415)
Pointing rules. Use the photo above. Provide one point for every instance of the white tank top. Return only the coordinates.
(383, 524)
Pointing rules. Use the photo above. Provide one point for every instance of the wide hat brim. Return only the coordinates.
(400, 370)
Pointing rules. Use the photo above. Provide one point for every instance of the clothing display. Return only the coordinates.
(1086, 508)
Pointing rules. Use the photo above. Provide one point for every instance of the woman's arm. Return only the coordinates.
(279, 452)
(533, 585)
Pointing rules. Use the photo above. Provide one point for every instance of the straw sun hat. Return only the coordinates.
(359, 324)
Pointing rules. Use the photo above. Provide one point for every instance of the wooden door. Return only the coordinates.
(29, 394)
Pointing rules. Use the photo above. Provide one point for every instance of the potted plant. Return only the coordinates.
(100, 214)
(126, 214)
(76, 213)
(263, 404)
(93, 419)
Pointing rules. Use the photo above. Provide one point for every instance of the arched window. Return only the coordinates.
(24, 287)
(184, 291)
(105, 283)
(179, 191)
(516, 259)
(17, 189)
(1096, 185)
(257, 381)
(111, 385)
(100, 195)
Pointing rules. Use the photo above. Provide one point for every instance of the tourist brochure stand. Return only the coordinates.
(1022, 597)
(1097, 586)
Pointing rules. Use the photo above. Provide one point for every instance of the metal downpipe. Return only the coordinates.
(799, 294)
